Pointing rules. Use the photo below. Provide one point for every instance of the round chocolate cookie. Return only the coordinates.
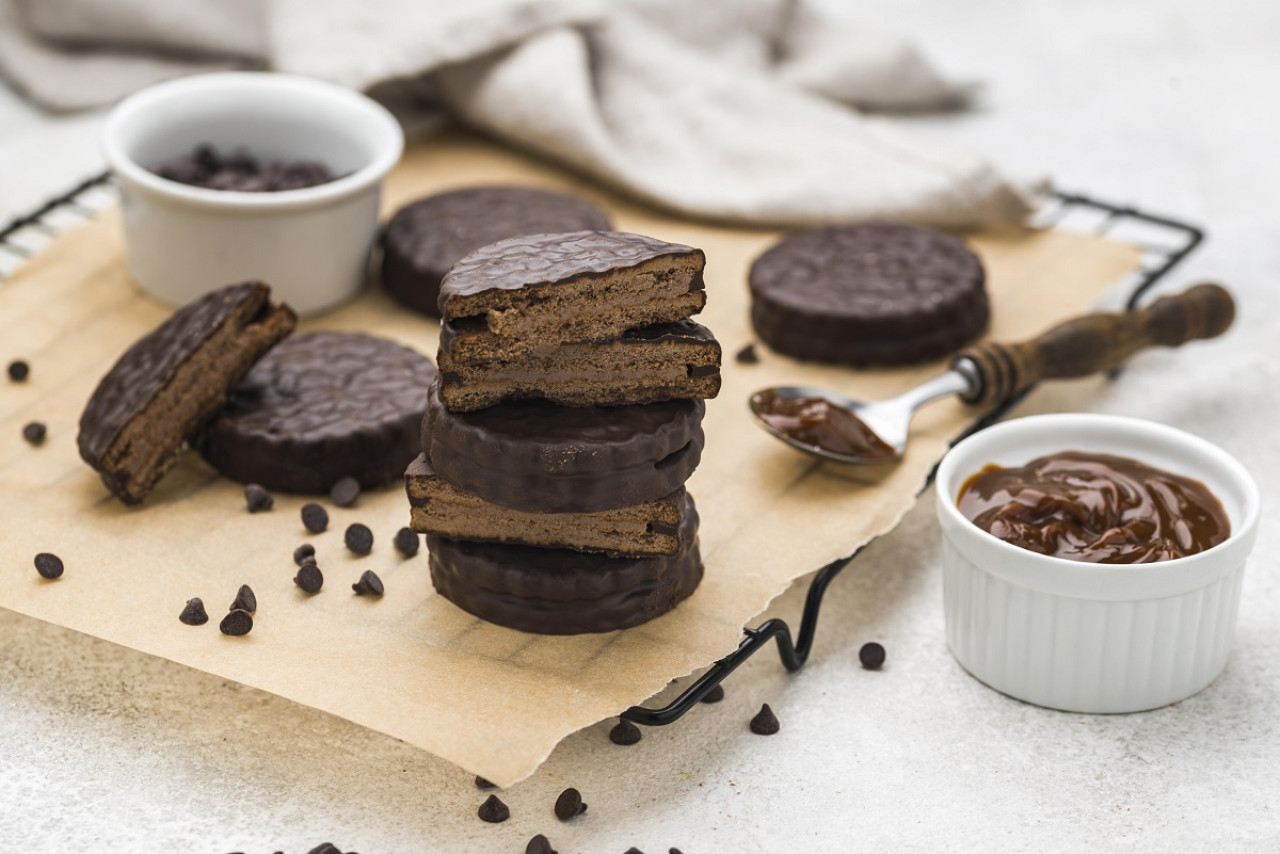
(424, 239)
(320, 407)
(868, 294)
(535, 456)
(561, 591)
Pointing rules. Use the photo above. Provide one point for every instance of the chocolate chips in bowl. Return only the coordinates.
(243, 172)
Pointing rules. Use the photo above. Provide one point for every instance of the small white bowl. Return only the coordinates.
(311, 245)
(1084, 637)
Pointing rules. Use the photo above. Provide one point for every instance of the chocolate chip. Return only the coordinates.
(674, 851)
(715, 695)
(484, 785)
(493, 811)
(49, 565)
(368, 585)
(345, 492)
(309, 577)
(625, 733)
(19, 370)
(747, 355)
(257, 498)
(539, 845)
(407, 542)
(358, 538)
(245, 600)
(765, 722)
(569, 805)
(325, 848)
(633, 850)
(871, 655)
(314, 517)
(236, 623)
(304, 553)
(34, 433)
(194, 614)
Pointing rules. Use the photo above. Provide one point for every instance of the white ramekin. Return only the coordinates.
(311, 245)
(1085, 637)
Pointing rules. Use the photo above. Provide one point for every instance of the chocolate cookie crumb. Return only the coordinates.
(194, 614)
(49, 565)
(34, 433)
(747, 356)
(19, 370)
(359, 538)
(539, 845)
(314, 517)
(765, 722)
(236, 623)
(345, 492)
(493, 811)
(625, 733)
(245, 600)
(309, 577)
(569, 805)
(407, 542)
(715, 695)
(368, 585)
(871, 655)
(257, 498)
(484, 785)
(305, 553)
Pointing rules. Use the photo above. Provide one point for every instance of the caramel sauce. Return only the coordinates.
(815, 421)
(1095, 508)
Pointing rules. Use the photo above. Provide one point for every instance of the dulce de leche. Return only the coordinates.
(1096, 508)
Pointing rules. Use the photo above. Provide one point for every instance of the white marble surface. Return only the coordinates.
(1167, 104)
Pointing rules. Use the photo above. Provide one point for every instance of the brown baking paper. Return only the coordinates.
(410, 664)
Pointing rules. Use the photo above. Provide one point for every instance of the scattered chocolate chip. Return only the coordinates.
(871, 655)
(34, 433)
(257, 498)
(539, 845)
(368, 585)
(569, 805)
(674, 851)
(19, 370)
(304, 553)
(245, 600)
(493, 811)
(49, 565)
(633, 850)
(236, 623)
(625, 733)
(358, 538)
(407, 542)
(747, 356)
(715, 695)
(309, 577)
(345, 492)
(314, 517)
(325, 848)
(484, 785)
(765, 722)
(194, 614)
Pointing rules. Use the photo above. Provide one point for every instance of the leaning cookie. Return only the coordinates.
(868, 294)
(153, 399)
(424, 239)
(320, 407)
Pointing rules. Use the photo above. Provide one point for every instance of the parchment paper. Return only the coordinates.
(411, 665)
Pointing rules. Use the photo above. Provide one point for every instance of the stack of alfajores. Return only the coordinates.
(566, 418)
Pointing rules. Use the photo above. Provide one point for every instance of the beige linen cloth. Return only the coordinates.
(742, 111)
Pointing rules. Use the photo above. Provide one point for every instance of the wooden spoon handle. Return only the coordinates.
(1097, 342)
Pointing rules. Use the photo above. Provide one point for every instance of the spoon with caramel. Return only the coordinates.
(836, 427)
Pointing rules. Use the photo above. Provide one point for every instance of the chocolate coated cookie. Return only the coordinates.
(534, 456)
(320, 407)
(158, 393)
(424, 239)
(868, 294)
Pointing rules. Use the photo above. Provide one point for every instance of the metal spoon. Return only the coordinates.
(836, 427)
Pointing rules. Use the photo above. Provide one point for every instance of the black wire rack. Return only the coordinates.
(1165, 242)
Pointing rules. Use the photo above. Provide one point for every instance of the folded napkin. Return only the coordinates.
(746, 111)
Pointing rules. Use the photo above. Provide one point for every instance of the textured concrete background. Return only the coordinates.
(1162, 103)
